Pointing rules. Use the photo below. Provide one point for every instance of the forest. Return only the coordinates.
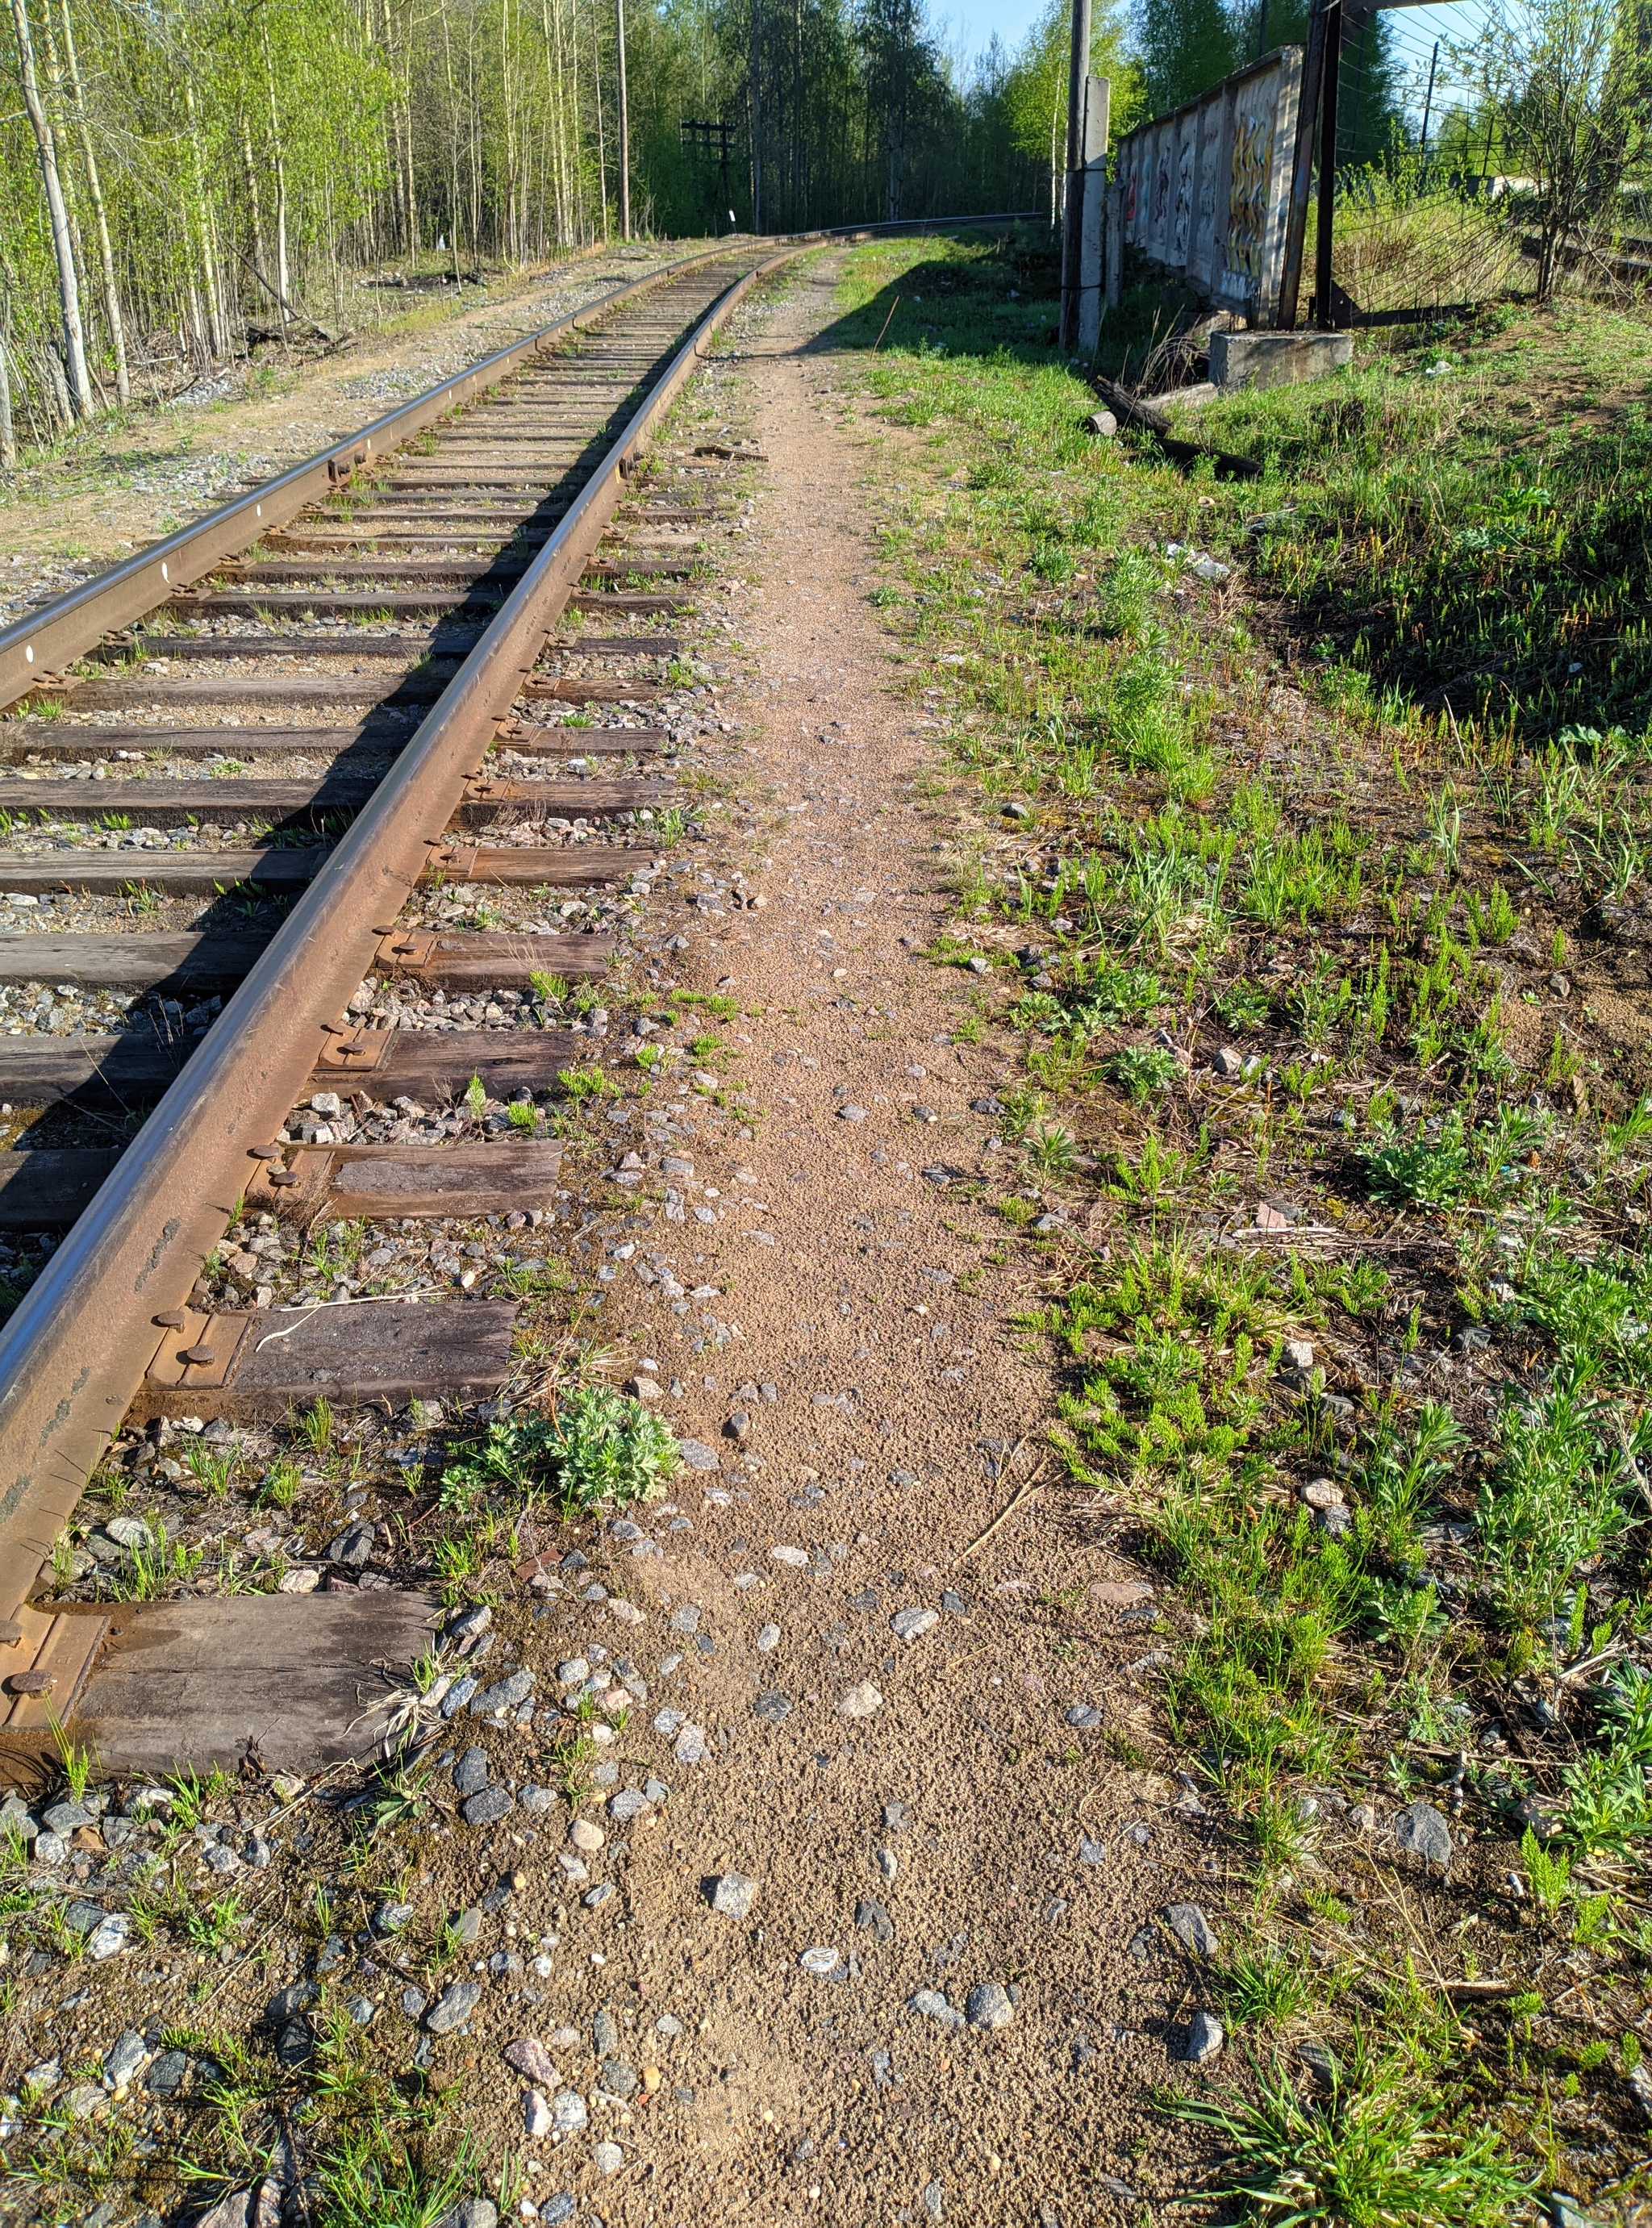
(180, 179)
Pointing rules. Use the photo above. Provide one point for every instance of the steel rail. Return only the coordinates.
(77, 622)
(73, 1355)
(74, 1352)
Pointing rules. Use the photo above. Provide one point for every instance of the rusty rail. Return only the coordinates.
(72, 1355)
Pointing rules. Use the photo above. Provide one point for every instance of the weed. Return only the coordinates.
(1265, 1991)
(1384, 2146)
(1140, 1070)
(600, 1446)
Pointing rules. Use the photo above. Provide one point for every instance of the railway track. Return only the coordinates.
(246, 776)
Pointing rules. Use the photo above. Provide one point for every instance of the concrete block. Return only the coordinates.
(1276, 359)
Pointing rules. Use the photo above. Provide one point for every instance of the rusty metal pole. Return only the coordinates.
(1073, 204)
(1324, 309)
(1301, 168)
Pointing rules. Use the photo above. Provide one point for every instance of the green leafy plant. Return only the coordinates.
(599, 1447)
(1140, 1070)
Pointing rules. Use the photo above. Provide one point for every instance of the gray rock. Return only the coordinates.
(453, 2006)
(772, 1707)
(568, 2113)
(505, 1695)
(934, 2200)
(455, 1697)
(536, 1801)
(63, 1818)
(471, 1772)
(618, 2078)
(605, 2035)
(1192, 1929)
(697, 1455)
(733, 1894)
(1319, 2062)
(555, 2210)
(353, 1549)
(628, 1804)
(603, 1893)
(413, 2001)
(768, 1636)
(987, 2006)
(391, 1917)
(1091, 1853)
(913, 1623)
(287, 2003)
(294, 2043)
(1420, 1829)
(851, 1113)
(1205, 2039)
(876, 1919)
(360, 2009)
(124, 2057)
(1085, 1717)
(50, 1848)
(471, 2213)
(166, 2075)
(931, 2004)
(486, 1808)
(1226, 1061)
(467, 1924)
(685, 1619)
(109, 1937)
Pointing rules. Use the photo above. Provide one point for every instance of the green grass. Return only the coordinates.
(1307, 862)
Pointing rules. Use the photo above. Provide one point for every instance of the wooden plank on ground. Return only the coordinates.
(593, 691)
(45, 1189)
(191, 962)
(294, 1682)
(439, 1063)
(131, 1068)
(180, 803)
(573, 866)
(275, 867)
(376, 1354)
(67, 742)
(352, 1180)
(486, 959)
(162, 691)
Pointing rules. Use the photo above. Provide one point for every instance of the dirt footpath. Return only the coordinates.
(941, 2003)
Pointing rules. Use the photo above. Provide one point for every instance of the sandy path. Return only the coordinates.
(966, 1831)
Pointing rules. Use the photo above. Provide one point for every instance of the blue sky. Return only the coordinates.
(966, 26)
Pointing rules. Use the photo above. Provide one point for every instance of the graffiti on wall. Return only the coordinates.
(1204, 191)
(1247, 198)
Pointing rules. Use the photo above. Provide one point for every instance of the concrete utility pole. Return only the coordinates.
(624, 128)
(1072, 205)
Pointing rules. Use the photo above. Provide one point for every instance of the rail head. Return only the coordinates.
(46, 641)
(75, 1354)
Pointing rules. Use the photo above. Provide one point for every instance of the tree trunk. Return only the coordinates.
(68, 281)
(94, 186)
(8, 438)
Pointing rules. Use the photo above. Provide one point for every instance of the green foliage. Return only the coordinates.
(1141, 1069)
(601, 1448)
(1384, 2147)
(1554, 1494)
(1448, 1164)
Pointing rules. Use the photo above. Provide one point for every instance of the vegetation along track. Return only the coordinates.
(323, 701)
